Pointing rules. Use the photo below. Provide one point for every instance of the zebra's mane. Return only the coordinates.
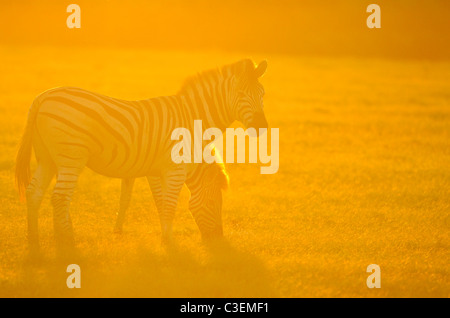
(244, 66)
(193, 80)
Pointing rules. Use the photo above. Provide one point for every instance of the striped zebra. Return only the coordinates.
(204, 182)
(71, 128)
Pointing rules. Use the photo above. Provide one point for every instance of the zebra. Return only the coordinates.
(204, 182)
(71, 128)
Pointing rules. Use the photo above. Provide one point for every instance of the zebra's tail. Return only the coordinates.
(23, 173)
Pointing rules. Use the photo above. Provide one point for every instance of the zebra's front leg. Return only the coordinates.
(156, 187)
(172, 182)
(125, 198)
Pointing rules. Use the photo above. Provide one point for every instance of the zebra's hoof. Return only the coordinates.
(69, 255)
(167, 242)
(34, 257)
(118, 230)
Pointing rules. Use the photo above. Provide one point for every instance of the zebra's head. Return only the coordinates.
(205, 203)
(248, 107)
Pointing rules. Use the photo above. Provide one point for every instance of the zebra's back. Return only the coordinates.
(114, 137)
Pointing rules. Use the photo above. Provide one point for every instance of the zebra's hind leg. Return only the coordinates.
(125, 198)
(66, 181)
(172, 182)
(35, 192)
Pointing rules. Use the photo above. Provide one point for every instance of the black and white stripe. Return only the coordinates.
(72, 128)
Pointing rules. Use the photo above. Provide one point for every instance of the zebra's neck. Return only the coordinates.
(208, 97)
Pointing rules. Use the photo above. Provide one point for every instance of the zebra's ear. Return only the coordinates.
(261, 69)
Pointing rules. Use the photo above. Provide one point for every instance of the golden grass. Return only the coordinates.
(364, 178)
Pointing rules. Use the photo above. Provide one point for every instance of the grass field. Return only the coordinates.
(364, 178)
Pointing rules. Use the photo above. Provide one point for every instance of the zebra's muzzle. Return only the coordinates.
(259, 121)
